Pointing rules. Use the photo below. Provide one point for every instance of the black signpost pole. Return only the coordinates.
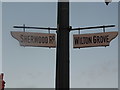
(62, 48)
(62, 55)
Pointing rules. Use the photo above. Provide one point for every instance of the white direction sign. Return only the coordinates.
(93, 40)
(35, 39)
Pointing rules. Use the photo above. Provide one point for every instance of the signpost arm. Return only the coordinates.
(62, 55)
(94, 27)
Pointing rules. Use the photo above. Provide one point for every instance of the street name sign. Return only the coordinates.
(93, 40)
(34, 39)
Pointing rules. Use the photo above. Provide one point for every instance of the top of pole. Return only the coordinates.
(63, 0)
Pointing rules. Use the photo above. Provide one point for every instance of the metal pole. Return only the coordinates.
(62, 52)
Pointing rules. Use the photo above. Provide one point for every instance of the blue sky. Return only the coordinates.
(1, 37)
(34, 67)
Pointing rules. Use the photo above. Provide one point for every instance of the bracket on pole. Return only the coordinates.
(103, 28)
(24, 28)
